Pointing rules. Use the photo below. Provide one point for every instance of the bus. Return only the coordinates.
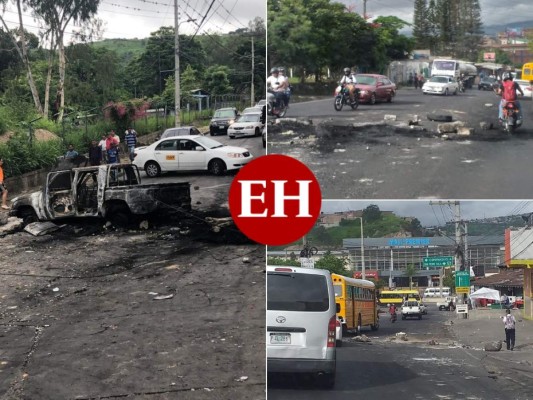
(357, 300)
(527, 71)
(397, 296)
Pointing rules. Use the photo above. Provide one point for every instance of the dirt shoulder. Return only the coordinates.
(79, 316)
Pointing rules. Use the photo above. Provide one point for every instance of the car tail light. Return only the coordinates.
(283, 269)
(337, 323)
(332, 335)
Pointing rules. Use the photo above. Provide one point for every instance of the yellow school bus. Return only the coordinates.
(527, 71)
(358, 302)
(397, 296)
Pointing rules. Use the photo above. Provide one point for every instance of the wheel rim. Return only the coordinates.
(338, 103)
(151, 170)
(216, 167)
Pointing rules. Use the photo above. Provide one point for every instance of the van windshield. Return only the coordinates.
(297, 292)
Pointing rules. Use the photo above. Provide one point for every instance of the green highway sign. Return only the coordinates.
(462, 279)
(437, 262)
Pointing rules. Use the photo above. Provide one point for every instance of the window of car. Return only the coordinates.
(224, 114)
(387, 82)
(365, 79)
(167, 145)
(297, 292)
(186, 145)
(208, 143)
(249, 118)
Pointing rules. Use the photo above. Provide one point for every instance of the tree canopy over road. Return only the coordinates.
(313, 35)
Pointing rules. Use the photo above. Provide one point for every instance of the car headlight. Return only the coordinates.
(249, 127)
(235, 155)
(231, 121)
(363, 92)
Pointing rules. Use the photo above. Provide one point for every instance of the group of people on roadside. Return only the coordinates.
(107, 151)
(416, 79)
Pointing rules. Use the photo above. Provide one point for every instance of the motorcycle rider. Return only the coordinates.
(507, 89)
(287, 85)
(277, 86)
(392, 311)
(349, 80)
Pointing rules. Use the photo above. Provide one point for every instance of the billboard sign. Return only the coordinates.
(489, 57)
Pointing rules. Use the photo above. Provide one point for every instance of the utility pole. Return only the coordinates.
(459, 246)
(177, 98)
(252, 94)
(364, 9)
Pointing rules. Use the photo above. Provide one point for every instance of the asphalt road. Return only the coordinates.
(401, 370)
(210, 192)
(393, 161)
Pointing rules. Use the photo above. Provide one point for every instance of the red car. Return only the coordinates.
(374, 88)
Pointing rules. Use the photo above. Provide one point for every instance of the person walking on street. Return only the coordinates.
(415, 80)
(509, 322)
(3, 190)
(131, 142)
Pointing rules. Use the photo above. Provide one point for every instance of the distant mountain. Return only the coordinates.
(493, 30)
(125, 49)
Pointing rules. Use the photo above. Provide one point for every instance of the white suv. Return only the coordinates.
(301, 322)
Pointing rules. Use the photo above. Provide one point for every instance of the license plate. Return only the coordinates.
(221, 126)
(280, 338)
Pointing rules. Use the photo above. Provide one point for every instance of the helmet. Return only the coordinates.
(281, 69)
(274, 70)
(347, 71)
(506, 76)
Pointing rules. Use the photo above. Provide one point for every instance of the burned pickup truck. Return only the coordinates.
(110, 191)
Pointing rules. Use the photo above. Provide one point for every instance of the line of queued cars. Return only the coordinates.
(185, 148)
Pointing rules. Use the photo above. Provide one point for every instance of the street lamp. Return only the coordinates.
(363, 271)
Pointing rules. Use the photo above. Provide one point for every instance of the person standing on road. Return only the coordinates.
(415, 80)
(95, 154)
(3, 190)
(509, 322)
(131, 142)
(103, 146)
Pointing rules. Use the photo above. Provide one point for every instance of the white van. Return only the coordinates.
(436, 292)
(301, 322)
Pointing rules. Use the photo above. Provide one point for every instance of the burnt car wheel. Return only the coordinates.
(28, 216)
(217, 167)
(152, 169)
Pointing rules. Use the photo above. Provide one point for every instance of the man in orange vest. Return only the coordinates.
(3, 190)
(507, 90)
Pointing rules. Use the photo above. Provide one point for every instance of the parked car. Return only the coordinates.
(443, 85)
(251, 110)
(179, 131)
(246, 125)
(261, 103)
(487, 83)
(448, 304)
(374, 88)
(222, 119)
(526, 88)
(186, 153)
(112, 191)
(301, 323)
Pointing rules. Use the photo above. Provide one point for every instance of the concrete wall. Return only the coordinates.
(28, 182)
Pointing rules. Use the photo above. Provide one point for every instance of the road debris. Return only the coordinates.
(493, 346)
(164, 297)
(41, 228)
(242, 379)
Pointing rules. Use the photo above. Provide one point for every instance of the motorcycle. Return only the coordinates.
(342, 98)
(393, 318)
(511, 114)
(273, 110)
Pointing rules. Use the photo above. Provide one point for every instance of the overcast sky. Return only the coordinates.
(434, 215)
(494, 12)
(138, 18)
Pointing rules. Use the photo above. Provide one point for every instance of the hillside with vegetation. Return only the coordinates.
(125, 49)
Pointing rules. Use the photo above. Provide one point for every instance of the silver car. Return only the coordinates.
(301, 323)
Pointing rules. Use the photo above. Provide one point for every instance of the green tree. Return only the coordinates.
(216, 80)
(333, 264)
(283, 261)
(189, 82)
(410, 271)
(371, 213)
(449, 281)
(421, 24)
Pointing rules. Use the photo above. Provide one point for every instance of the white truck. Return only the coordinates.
(454, 68)
(411, 308)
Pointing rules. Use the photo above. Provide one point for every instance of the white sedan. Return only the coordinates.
(190, 153)
(246, 125)
(444, 85)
